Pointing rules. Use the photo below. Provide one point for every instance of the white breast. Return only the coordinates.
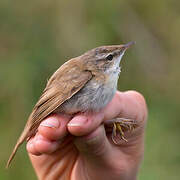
(93, 97)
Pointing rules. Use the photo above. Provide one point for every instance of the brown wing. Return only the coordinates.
(63, 84)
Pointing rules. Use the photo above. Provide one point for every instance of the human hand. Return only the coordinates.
(89, 153)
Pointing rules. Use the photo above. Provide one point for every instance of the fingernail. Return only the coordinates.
(78, 121)
(50, 122)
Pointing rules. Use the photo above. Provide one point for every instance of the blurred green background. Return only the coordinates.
(36, 37)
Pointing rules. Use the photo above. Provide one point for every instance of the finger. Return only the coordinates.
(47, 139)
(83, 124)
(30, 147)
(54, 127)
(40, 145)
(90, 135)
(94, 146)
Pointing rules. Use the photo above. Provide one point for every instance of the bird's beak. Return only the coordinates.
(129, 44)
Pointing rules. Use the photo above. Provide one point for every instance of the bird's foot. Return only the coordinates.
(119, 126)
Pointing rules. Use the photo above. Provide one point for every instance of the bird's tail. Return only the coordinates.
(21, 139)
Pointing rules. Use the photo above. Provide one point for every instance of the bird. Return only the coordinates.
(86, 83)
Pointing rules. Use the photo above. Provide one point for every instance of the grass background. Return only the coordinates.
(37, 37)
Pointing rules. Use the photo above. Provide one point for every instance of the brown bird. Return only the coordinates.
(83, 84)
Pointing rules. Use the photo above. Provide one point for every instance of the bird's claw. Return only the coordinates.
(118, 123)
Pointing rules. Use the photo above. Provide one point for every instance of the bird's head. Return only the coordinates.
(105, 58)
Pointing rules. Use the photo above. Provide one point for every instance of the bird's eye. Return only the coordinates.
(109, 57)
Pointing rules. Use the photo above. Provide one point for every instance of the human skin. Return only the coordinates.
(82, 149)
